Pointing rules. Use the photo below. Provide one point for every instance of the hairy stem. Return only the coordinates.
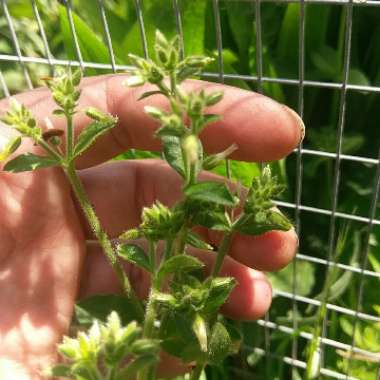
(102, 237)
(222, 251)
(150, 315)
(69, 137)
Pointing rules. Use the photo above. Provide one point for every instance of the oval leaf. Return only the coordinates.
(135, 255)
(89, 135)
(220, 289)
(29, 161)
(179, 263)
(173, 154)
(214, 192)
(220, 344)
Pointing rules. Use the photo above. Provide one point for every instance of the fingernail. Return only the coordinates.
(299, 122)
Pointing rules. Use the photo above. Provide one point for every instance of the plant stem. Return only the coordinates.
(181, 240)
(314, 345)
(102, 237)
(150, 315)
(69, 137)
(50, 150)
(222, 251)
(197, 371)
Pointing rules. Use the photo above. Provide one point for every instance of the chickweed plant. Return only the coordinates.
(180, 315)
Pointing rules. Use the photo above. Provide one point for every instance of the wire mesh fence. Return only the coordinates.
(339, 234)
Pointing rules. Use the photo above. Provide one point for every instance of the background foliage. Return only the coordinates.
(324, 52)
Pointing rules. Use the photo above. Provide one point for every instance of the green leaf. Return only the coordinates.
(220, 289)
(59, 370)
(135, 255)
(214, 192)
(200, 331)
(173, 154)
(272, 221)
(179, 263)
(89, 135)
(212, 219)
(135, 366)
(194, 240)
(178, 338)
(29, 161)
(91, 47)
(220, 344)
(100, 306)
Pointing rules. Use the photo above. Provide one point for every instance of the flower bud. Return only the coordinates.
(134, 81)
(154, 112)
(198, 61)
(161, 41)
(190, 146)
(214, 98)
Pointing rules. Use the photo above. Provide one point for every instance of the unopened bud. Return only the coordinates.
(154, 112)
(198, 61)
(214, 98)
(190, 146)
(134, 81)
(96, 114)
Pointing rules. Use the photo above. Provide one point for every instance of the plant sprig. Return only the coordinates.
(181, 313)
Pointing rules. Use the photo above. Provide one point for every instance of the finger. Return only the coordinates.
(120, 190)
(249, 300)
(263, 129)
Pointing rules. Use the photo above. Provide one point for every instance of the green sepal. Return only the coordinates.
(165, 299)
(220, 344)
(173, 154)
(179, 263)
(195, 241)
(220, 290)
(257, 224)
(214, 192)
(28, 162)
(89, 135)
(135, 255)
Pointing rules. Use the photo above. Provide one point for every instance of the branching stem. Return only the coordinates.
(102, 237)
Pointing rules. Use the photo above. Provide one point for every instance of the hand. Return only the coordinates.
(45, 264)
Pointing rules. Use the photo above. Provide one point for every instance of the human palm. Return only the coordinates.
(47, 257)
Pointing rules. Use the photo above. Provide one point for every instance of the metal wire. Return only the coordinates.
(16, 43)
(344, 87)
(341, 123)
(107, 34)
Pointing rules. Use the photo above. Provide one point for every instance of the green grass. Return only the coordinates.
(324, 52)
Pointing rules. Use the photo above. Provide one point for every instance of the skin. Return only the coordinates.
(45, 262)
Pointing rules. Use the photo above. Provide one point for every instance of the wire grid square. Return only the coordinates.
(331, 213)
